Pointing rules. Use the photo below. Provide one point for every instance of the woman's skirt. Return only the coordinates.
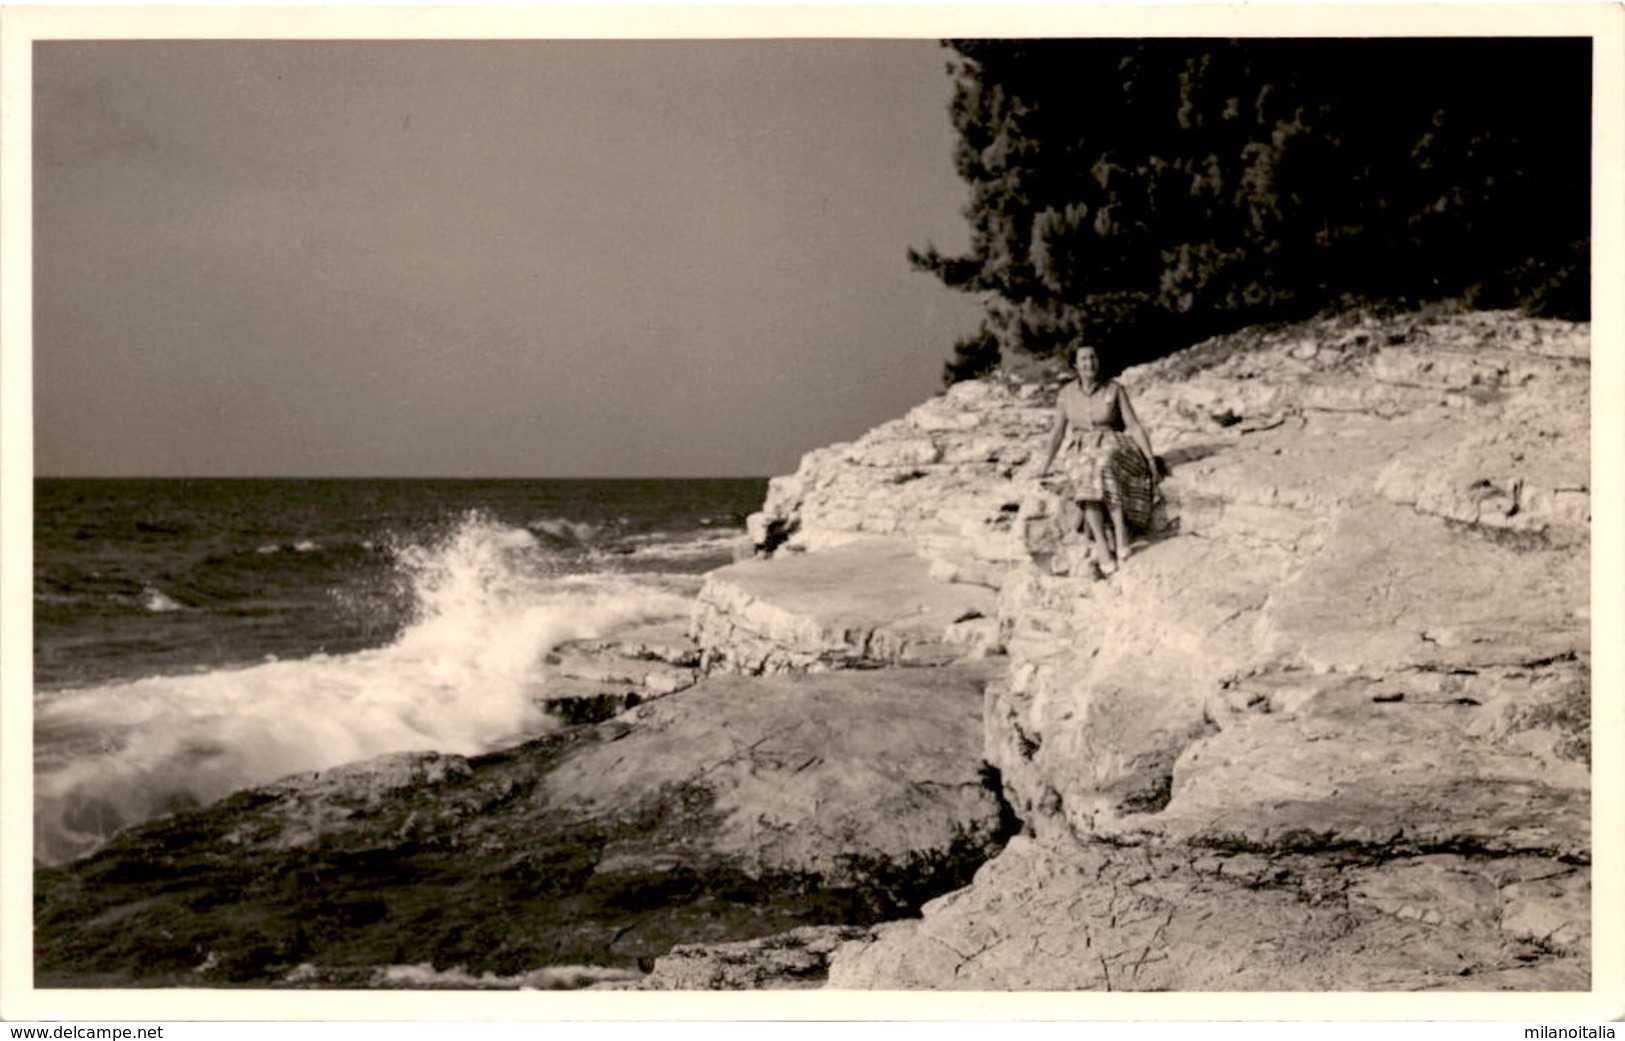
(1106, 466)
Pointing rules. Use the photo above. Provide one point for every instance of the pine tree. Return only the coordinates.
(1145, 194)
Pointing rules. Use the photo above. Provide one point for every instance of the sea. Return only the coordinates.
(195, 637)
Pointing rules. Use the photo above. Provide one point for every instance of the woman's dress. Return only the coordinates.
(1101, 462)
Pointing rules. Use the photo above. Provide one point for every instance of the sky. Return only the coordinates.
(484, 258)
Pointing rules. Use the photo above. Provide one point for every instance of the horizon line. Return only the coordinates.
(400, 477)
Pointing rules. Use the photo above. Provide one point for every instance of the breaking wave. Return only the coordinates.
(461, 677)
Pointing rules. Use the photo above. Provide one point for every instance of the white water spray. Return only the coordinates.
(463, 677)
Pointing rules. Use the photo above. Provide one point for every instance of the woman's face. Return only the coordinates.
(1086, 362)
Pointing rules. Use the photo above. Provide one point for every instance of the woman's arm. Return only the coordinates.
(1057, 435)
(1135, 429)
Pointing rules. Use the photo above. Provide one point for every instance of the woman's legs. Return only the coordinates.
(1095, 521)
(1114, 503)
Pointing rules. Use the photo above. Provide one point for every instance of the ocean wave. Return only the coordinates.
(157, 601)
(197, 581)
(710, 543)
(489, 602)
(564, 532)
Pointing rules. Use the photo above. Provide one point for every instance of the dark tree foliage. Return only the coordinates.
(1149, 193)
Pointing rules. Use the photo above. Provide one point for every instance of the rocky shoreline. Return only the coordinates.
(1328, 730)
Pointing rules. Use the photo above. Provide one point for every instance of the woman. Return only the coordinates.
(1109, 463)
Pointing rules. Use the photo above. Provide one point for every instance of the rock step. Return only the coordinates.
(798, 959)
(795, 773)
(872, 601)
(593, 679)
(574, 701)
(667, 642)
(657, 677)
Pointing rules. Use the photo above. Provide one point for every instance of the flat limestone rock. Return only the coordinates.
(1065, 917)
(1372, 770)
(937, 477)
(594, 679)
(813, 774)
(667, 642)
(1392, 588)
(869, 602)
(1528, 475)
(656, 677)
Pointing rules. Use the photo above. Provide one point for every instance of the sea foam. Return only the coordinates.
(462, 677)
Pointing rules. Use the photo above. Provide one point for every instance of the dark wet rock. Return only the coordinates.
(733, 810)
(796, 960)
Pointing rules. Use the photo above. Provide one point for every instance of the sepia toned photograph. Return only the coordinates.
(1051, 512)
